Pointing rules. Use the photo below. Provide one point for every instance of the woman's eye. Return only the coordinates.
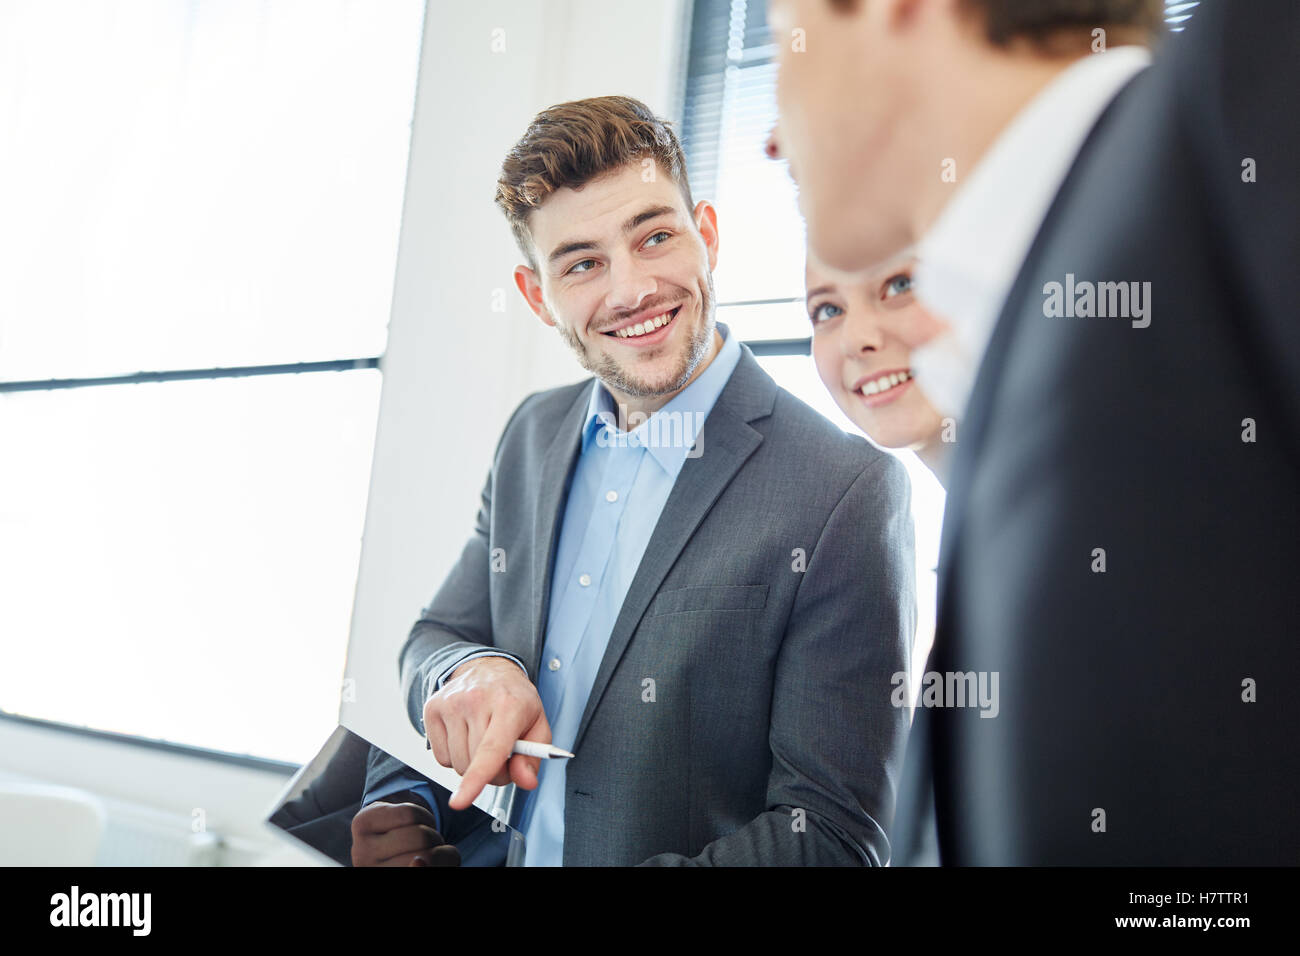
(820, 314)
(897, 285)
(651, 240)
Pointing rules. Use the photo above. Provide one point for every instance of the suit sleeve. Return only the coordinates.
(836, 737)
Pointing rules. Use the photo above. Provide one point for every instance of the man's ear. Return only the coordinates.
(531, 290)
(706, 220)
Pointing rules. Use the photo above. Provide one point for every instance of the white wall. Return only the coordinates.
(453, 371)
(454, 368)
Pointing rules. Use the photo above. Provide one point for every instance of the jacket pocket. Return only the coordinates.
(738, 597)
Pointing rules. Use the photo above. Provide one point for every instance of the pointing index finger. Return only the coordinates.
(490, 758)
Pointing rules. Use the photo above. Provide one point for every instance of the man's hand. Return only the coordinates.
(473, 722)
(399, 834)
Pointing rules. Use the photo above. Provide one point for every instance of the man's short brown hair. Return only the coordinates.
(1039, 20)
(573, 143)
(1043, 21)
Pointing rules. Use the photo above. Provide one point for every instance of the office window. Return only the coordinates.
(202, 202)
(730, 108)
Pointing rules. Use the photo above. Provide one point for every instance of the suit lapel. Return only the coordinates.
(971, 438)
(920, 787)
(553, 490)
(728, 442)
(984, 389)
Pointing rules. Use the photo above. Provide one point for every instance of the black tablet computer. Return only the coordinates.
(316, 808)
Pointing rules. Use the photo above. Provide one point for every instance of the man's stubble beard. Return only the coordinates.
(615, 378)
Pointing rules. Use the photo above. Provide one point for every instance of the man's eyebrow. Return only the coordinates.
(584, 245)
(654, 212)
(821, 289)
(578, 245)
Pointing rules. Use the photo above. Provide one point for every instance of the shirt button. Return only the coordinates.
(585, 580)
(554, 664)
(611, 496)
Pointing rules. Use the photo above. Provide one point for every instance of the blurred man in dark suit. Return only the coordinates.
(1116, 248)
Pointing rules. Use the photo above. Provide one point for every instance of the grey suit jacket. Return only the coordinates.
(773, 607)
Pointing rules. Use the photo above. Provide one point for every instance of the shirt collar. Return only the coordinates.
(671, 431)
(969, 259)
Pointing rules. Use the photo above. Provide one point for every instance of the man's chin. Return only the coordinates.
(652, 374)
(655, 386)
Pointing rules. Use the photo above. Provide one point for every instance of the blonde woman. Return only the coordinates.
(863, 337)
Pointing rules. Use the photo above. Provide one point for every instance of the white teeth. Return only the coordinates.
(885, 382)
(641, 328)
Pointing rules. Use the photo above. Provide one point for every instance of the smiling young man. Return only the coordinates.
(679, 572)
(1120, 538)
(645, 334)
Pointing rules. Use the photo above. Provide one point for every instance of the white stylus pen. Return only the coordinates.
(533, 748)
(529, 748)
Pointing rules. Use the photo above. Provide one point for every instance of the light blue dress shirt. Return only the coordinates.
(620, 484)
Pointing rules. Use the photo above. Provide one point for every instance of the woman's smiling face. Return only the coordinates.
(862, 342)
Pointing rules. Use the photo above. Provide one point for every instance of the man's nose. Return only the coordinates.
(629, 285)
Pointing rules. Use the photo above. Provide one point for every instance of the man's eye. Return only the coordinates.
(900, 284)
(651, 240)
(820, 315)
(577, 266)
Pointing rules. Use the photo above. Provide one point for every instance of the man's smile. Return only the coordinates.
(645, 330)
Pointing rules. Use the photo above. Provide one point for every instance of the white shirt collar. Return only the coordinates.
(970, 257)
